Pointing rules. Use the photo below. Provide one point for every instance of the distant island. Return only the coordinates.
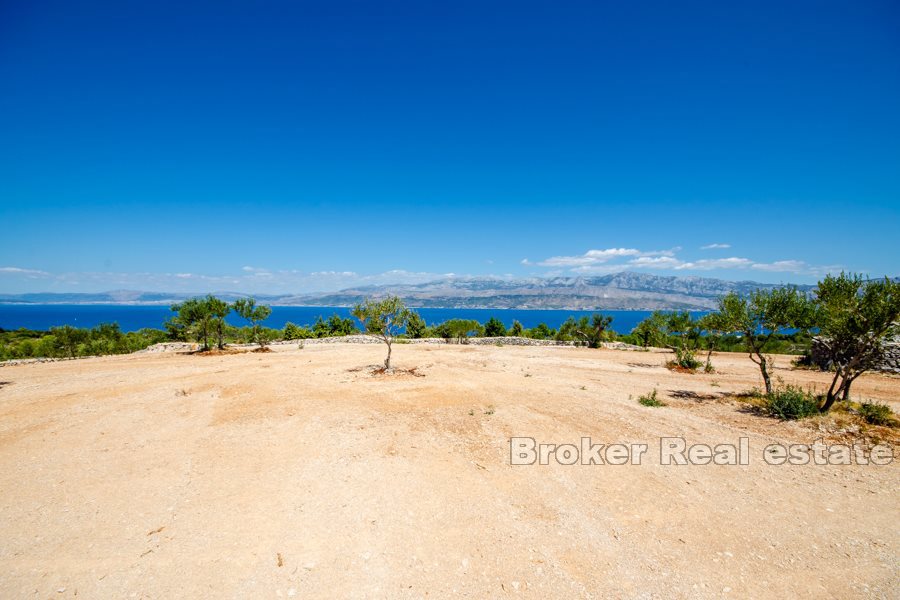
(619, 291)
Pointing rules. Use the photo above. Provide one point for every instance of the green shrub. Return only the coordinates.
(791, 402)
(650, 400)
(684, 359)
(295, 332)
(876, 413)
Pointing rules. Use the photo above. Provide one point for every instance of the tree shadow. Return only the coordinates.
(695, 396)
(4, 383)
(752, 409)
(380, 371)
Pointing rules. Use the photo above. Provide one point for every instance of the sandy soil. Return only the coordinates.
(299, 473)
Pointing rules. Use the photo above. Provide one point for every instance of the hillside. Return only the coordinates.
(619, 291)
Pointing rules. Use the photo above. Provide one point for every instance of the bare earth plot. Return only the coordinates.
(299, 473)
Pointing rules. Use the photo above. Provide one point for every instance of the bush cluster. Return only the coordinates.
(791, 402)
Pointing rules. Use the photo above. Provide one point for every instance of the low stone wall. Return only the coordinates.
(890, 362)
(170, 347)
(345, 339)
(473, 341)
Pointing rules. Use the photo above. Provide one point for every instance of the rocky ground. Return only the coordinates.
(301, 473)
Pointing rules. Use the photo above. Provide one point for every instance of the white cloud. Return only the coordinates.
(715, 263)
(595, 257)
(613, 260)
(715, 247)
(247, 280)
(782, 266)
(25, 272)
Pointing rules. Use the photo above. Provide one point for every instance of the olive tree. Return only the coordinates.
(458, 329)
(592, 332)
(192, 316)
(383, 319)
(855, 316)
(203, 317)
(652, 330)
(714, 326)
(218, 309)
(682, 326)
(248, 309)
(762, 315)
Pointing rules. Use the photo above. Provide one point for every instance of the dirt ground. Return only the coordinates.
(299, 473)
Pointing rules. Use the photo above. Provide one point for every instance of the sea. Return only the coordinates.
(131, 317)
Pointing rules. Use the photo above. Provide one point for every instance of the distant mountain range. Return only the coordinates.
(619, 291)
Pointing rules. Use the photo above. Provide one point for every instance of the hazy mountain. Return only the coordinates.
(619, 291)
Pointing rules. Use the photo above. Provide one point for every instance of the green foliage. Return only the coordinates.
(650, 400)
(415, 326)
(334, 326)
(791, 402)
(383, 318)
(516, 330)
(761, 316)
(540, 332)
(685, 359)
(589, 332)
(70, 342)
(295, 332)
(855, 316)
(458, 329)
(494, 328)
(247, 309)
(200, 318)
(652, 330)
(876, 413)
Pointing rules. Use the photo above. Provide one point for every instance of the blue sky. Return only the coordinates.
(280, 147)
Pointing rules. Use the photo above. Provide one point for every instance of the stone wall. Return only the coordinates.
(890, 362)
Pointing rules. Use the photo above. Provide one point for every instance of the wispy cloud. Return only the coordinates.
(246, 280)
(595, 257)
(33, 273)
(715, 247)
(618, 259)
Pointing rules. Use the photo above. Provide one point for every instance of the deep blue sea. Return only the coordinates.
(132, 318)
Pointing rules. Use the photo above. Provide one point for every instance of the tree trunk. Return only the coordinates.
(764, 369)
(387, 361)
(829, 401)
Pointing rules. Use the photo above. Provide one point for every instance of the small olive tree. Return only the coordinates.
(592, 333)
(713, 325)
(383, 319)
(248, 309)
(193, 316)
(652, 331)
(855, 316)
(458, 329)
(681, 326)
(218, 309)
(762, 315)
